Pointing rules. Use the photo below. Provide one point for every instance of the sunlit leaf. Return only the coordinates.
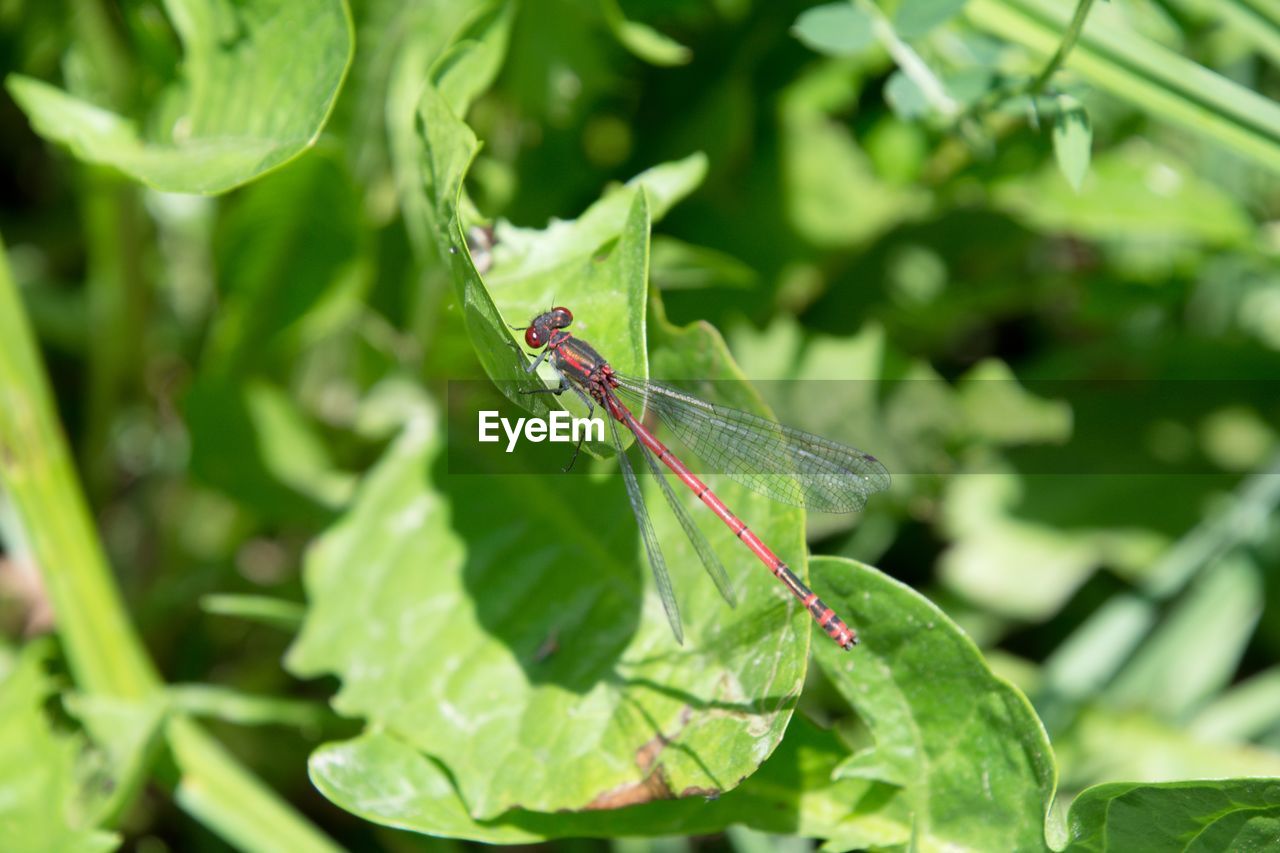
(258, 81)
(553, 687)
(383, 779)
(974, 763)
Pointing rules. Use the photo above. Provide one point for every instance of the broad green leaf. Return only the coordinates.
(258, 80)
(643, 40)
(429, 145)
(836, 29)
(975, 765)
(529, 267)
(1072, 140)
(1219, 814)
(40, 793)
(562, 263)
(522, 254)
(384, 779)
(558, 686)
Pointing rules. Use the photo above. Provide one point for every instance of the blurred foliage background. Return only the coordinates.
(892, 194)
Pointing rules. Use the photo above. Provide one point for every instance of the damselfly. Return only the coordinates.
(785, 464)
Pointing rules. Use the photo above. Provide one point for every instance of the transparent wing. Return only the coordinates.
(788, 465)
(705, 552)
(656, 563)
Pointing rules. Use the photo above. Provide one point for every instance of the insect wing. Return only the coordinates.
(788, 465)
(656, 563)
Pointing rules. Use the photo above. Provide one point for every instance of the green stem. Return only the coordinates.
(40, 481)
(104, 653)
(1069, 39)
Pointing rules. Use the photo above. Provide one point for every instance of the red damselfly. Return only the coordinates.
(785, 464)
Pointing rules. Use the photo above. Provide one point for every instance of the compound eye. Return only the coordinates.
(561, 317)
(533, 337)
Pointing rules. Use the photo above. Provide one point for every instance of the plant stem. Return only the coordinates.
(40, 481)
(106, 657)
(1069, 39)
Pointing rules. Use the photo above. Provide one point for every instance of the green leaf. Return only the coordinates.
(835, 29)
(558, 686)
(977, 769)
(530, 267)
(565, 263)
(1221, 814)
(1072, 140)
(258, 81)
(643, 40)
(383, 779)
(39, 792)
